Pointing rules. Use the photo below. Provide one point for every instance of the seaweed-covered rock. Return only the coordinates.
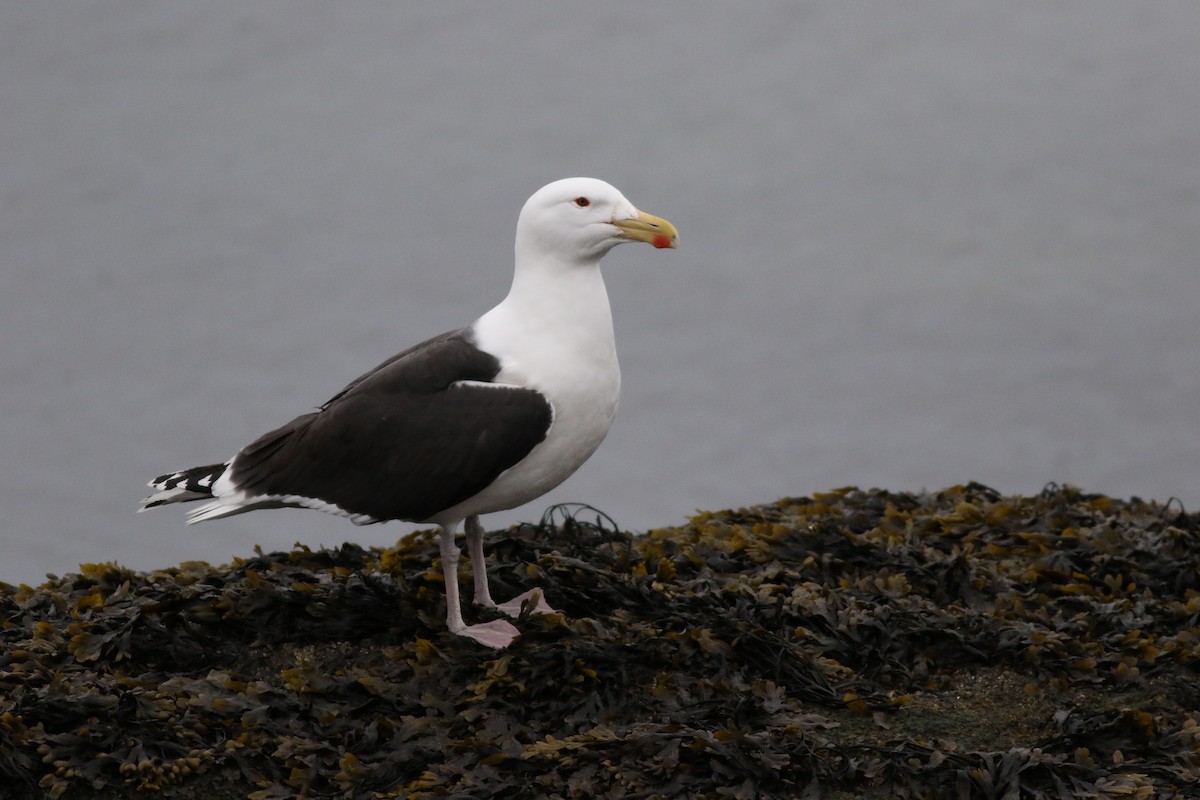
(855, 643)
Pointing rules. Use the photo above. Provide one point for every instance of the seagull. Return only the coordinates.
(479, 419)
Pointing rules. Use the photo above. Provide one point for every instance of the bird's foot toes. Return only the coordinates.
(496, 634)
(514, 607)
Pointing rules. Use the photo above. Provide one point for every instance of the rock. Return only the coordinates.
(853, 643)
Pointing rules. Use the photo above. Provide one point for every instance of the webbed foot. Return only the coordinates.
(513, 607)
(496, 634)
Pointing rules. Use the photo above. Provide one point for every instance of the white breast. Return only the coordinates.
(559, 343)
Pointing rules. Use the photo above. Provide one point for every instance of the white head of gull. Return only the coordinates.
(479, 419)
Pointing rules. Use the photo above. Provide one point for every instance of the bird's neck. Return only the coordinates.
(558, 309)
(559, 296)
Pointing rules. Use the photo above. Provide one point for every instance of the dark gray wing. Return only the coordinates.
(402, 441)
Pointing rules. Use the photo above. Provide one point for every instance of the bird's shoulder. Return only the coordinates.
(431, 366)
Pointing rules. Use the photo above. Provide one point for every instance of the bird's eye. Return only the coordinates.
(582, 202)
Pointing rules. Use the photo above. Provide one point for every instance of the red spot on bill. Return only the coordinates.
(661, 241)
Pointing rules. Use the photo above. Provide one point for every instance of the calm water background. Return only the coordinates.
(923, 243)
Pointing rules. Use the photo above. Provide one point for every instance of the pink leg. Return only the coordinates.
(483, 595)
(497, 633)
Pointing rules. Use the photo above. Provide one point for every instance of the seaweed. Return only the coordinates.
(855, 643)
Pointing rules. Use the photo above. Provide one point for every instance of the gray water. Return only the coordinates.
(922, 243)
